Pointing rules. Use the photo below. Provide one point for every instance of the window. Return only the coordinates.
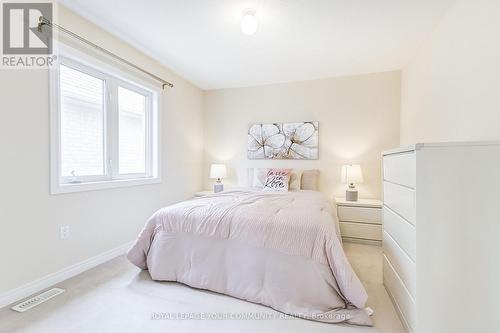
(104, 127)
(132, 137)
(82, 123)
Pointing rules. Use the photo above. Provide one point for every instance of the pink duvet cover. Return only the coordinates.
(280, 249)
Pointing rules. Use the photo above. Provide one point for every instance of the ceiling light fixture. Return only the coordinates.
(249, 22)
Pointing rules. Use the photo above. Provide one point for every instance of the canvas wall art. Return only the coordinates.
(283, 141)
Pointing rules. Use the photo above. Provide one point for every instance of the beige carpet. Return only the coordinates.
(117, 297)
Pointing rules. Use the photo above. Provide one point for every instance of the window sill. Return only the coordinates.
(102, 185)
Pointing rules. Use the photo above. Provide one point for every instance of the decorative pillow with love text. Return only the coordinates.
(277, 180)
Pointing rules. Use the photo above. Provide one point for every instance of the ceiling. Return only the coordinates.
(296, 40)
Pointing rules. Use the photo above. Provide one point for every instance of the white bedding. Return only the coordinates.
(282, 250)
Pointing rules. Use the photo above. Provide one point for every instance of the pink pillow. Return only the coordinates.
(277, 180)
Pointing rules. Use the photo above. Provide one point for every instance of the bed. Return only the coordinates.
(279, 249)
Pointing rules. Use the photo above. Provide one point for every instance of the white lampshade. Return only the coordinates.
(352, 174)
(218, 171)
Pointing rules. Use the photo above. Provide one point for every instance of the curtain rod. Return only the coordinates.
(43, 21)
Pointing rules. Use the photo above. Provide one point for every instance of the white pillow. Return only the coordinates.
(295, 179)
(256, 177)
(277, 180)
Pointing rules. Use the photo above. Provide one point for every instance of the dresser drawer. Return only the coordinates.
(361, 230)
(401, 262)
(360, 214)
(400, 169)
(401, 231)
(404, 303)
(401, 200)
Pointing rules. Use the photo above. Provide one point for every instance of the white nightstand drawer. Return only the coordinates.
(400, 169)
(401, 231)
(361, 230)
(401, 200)
(360, 214)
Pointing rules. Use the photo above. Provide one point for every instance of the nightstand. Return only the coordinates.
(203, 193)
(360, 221)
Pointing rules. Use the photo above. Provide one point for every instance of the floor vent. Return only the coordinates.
(36, 300)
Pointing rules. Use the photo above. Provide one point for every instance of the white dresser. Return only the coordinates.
(440, 229)
(360, 221)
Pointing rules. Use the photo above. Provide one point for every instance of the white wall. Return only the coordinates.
(451, 91)
(358, 119)
(100, 220)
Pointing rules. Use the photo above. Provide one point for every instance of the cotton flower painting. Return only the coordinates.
(282, 141)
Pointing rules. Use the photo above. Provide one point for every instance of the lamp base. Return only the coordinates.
(218, 187)
(351, 195)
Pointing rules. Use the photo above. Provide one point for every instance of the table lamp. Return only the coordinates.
(218, 171)
(351, 174)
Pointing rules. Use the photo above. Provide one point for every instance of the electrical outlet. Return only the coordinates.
(64, 232)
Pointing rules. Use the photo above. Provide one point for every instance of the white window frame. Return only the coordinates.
(113, 78)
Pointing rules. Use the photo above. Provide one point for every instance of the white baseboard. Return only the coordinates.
(28, 289)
